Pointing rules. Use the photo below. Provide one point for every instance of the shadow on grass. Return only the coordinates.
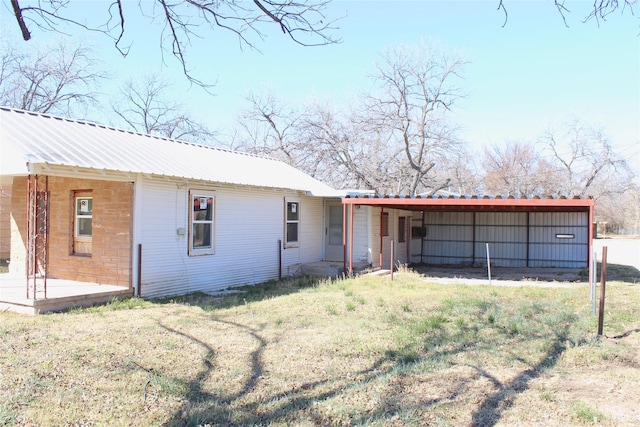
(620, 273)
(434, 343)
(490, 409)
(204, 408)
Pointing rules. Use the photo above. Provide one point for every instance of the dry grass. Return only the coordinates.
(363, 351)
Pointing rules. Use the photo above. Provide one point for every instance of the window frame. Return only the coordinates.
(80, 244)
(402, 229)
(76, 227)
(291, 221)
(199, 250)
(384, 224)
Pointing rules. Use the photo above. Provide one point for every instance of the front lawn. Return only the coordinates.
(361, 351)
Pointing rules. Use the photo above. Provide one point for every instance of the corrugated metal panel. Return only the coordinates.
(246, 238)
(39, 139)
(506, 234)
(449, 237)
(549, 250)
(516, 239)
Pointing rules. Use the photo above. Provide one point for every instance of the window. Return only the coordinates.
(402, 229)
(84, 216)
(292, 228)
(384, 226)
(82, 222)
(201, 239)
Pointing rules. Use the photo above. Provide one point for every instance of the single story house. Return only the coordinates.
(93, 206)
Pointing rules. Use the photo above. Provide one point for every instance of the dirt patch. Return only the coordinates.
(502, 275)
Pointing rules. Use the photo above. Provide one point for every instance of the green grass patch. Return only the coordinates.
(586, 413)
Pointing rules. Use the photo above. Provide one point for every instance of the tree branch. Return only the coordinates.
(26, 35)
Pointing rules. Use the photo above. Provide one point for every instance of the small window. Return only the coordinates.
(384, 226)
(84, 216)
(201, 218)
(82, 223)
(402, 229)
(293, 223)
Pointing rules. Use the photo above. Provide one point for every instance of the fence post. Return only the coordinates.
(488, 264)
(603, 280)
(391, 260)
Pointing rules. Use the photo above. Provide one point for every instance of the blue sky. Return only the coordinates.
(521, 79)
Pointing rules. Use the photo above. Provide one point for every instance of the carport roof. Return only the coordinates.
(471, 203)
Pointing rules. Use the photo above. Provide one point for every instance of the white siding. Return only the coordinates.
(400, 248)
(361, 218)
(311, 226)
(249, 222)
(374, 216)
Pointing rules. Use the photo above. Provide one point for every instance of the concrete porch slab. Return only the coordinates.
(331, 268)
(61, 295)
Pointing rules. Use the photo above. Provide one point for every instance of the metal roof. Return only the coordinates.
(471, 203)
(30, 139)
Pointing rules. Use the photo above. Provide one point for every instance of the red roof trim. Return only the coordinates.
(485, 203)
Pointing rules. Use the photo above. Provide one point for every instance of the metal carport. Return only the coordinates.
(474, 206)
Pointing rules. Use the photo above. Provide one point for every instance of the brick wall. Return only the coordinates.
(110, 259)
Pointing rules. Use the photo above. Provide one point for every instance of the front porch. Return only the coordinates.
(61, 295)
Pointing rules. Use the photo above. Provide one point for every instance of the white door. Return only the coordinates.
(333, 233)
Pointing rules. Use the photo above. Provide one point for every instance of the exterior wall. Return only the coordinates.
(449, 238)
(415, 251)
(547, 250)
(516, 239)
(248, 238)
(400, 248)
(5, 220)
(110, 260)
(311, 237)
(506, 234)
(361, 235)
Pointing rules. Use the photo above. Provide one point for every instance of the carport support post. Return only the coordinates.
(381, 233)
(344, 238)
(351, 240)
(603, 280)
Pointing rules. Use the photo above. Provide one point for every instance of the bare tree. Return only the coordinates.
(461, 173)
(599, 10)
(585, 161)
(517, 169)
(342, 152)
(268, 128)
(397, 141)
(416, 93)
(621, 212)
(180, 21)
(59, 80)
(145, 107)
